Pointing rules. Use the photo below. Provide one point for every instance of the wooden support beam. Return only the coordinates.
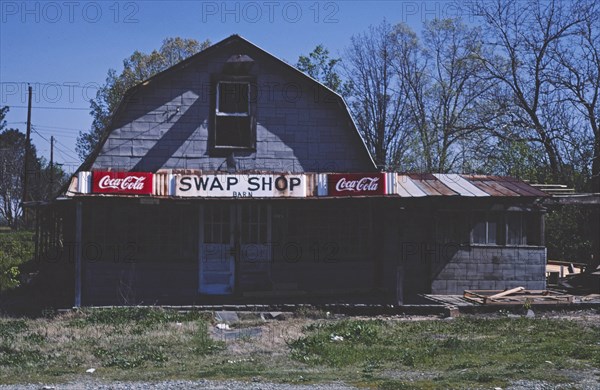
(78, 253)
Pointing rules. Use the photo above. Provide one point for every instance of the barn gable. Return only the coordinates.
(231, 107)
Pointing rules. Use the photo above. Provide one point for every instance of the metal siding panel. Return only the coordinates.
(421, 176)
(409, 186)
(402, 191)
(426, 188)
(524, 188)
(498, 189)
(512, 187)
(441, 187)
(488, 185)
(460, 185)
(321, 184)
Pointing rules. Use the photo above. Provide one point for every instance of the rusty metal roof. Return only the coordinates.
(419, 185)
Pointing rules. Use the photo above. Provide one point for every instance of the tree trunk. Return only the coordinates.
(595, 182)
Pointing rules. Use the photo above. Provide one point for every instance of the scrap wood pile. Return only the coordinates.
(517, 296)
(587, 282)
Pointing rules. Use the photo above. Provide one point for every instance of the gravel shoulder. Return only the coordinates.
(175, 384)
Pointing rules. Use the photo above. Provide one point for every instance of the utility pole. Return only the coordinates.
(27, 148)
(51, 168)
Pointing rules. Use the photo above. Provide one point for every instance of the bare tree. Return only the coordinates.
(377, 102)
(443, 82)
(520, 36)
(576, 72)
(414, 77)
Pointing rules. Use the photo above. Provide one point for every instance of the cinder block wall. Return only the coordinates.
(491, 268)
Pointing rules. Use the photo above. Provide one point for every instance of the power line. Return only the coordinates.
(52, 84)
(65, 152)
(60, 143)
(35, 131)
(63, 133)
(57, 148)
(54, 108)
(59, 128)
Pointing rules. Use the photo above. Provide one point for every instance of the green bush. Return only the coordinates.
(16, 248)
(568, 234)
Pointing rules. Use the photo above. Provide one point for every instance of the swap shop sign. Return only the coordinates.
(133, 183)
(356, 184)
(240, 186)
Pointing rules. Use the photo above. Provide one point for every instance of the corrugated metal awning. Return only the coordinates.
(438, 184)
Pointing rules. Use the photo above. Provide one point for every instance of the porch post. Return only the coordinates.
(78, 251)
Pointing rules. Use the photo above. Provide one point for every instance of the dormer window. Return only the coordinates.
(234, 108)
(233, 120)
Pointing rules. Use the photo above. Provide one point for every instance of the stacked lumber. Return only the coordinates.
(517, 296)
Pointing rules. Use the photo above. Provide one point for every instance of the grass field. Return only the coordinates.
(154, 344)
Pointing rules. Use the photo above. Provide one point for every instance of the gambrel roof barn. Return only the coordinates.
(233, 177)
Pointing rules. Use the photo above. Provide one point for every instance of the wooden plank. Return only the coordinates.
(535, 297)
(507, 292)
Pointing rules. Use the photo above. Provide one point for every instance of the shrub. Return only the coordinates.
(16, 248)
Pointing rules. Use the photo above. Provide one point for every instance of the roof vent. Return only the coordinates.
(239, 64)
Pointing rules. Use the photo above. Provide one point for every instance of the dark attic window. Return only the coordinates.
(234, 122)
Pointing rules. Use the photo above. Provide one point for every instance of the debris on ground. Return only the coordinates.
(517, 296)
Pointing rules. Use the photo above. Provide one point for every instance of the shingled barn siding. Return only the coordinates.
(300, 126)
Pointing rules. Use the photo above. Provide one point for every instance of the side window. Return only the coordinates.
(233, 117)
(479, 231)
(514, 229)
(523, 228)
(511, 228)
(487, 228)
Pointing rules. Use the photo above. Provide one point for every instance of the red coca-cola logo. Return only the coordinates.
(354, 184)
(364, 184)
(139, 183)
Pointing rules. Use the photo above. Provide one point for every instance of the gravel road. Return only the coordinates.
(175, 385)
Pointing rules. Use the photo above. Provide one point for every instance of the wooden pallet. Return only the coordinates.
(517, 296)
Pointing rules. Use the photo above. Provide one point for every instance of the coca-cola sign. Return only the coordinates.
(355, 184)
(137, 183)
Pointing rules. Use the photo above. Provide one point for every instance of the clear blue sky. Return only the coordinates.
(65, 48)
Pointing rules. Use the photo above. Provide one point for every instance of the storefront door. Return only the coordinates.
(229, 234)
(217, 249)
